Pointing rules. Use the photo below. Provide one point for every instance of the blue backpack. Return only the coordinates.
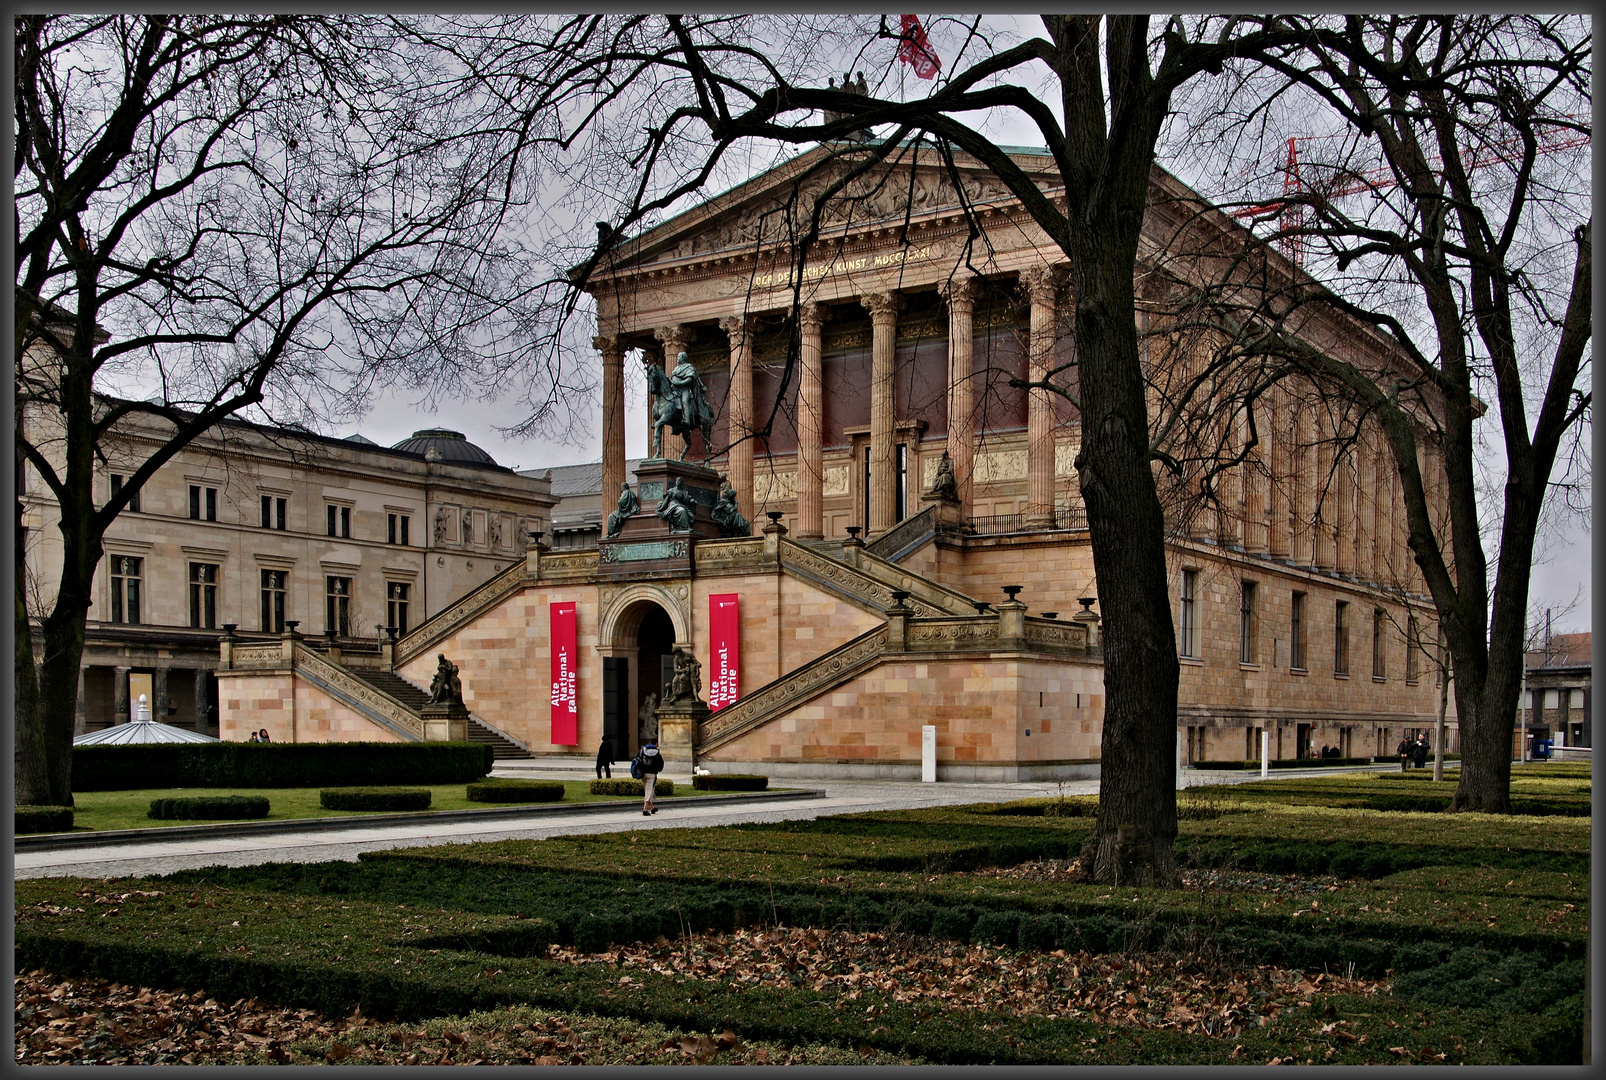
(635, 767)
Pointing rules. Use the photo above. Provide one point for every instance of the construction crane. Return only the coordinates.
(1291, 210)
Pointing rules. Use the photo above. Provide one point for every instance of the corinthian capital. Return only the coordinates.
(813, 315)
(961, 290)
(607, 346)
(675, 338)
(736, 328)
(1042, 283)
(882, 305)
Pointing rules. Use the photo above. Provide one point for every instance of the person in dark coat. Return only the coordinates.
(1404, 750)
(605, 759)
(1419, 752)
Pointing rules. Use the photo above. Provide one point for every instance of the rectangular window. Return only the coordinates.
(340, 521)
(398, 529)
(203, 503)
(211, 504)
(1413, 649)
(1341, 638)
(274, 586)
(279, 514)
(331, 515)
(337, 605)
(396, 605)
(273, 512)
(117, 489)
(267, 511)
(1187, 626)
(203, 596)
(1379, 644)
(866, 521)
(1296, 633)
(195, 502)
(1246, 624)
(126, 570)
(901, 495)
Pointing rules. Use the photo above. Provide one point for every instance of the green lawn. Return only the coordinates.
(108, 810)
(1304, 931)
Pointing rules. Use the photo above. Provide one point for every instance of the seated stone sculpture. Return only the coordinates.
(728, 516)
(676, 507)
(628, 505)
(445, 688)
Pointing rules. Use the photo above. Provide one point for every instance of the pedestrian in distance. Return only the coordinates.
(255, 737)
(1419, 752)
(263, 736)
(605, 759)
(1404, 750)
(646, 766)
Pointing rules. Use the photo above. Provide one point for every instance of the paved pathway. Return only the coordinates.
(841, 797)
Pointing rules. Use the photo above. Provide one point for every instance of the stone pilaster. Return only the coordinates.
(674, 340)
(120, 702)
(613, 415)
(810, 423)
(1365, 499)
(883, 308)
(159, 695)
(1042, 285)
(1281, 478)
(1325, 555)
(80, 723)
(960, 292)
(740, 413)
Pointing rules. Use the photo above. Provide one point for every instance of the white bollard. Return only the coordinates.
(1180, 759)
(1265, 753)
(928, 754)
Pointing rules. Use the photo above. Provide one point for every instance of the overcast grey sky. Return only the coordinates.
(1562, 578)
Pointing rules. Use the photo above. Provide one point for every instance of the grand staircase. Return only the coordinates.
(394, 686)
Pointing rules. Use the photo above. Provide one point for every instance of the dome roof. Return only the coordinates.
(451, 447)
(140, 731)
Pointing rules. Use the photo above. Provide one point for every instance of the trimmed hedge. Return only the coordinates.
(374, 798)
(730, 782)
(516, 791)
(38, 819)
(1280, 763)
(209, 808)
(626, 786)
(277, 765)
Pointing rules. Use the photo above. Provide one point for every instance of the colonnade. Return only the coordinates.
(1042, 285)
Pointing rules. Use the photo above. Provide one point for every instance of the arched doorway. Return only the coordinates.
(641, 658)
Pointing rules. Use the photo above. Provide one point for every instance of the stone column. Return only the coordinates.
(1365, 498)
(120, 703)
(199, 693)
(159, 695)
(80, 723)
(810, 423)
(883, 308)
(675, 339)
(740, 410)
(960, 292)
(613, 417)
(1042, 285)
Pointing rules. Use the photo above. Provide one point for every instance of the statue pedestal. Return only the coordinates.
(678, 725)
(445, 723)
(645, 544)
(949, 516)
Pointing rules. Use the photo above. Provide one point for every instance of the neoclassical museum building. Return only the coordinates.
(883, 588)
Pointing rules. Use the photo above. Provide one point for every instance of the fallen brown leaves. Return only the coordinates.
(1136, 992)
(80, 1021)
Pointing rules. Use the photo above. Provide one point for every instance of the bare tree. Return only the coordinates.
(1444, 201)
(672, 103)
(219, 214)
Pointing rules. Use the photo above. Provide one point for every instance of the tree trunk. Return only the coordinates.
(33, 787)
(1137, 817)
(1485, 783)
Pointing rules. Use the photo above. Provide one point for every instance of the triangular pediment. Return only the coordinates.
(778, 207)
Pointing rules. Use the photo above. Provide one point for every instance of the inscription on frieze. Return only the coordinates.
(641, 552)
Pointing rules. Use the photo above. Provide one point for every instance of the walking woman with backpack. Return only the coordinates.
(646, 766)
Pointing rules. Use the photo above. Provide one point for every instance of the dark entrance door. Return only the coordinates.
(655, 644)
(616, 705)
(1302, 741)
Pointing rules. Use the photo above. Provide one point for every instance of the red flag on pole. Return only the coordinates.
(915, 49)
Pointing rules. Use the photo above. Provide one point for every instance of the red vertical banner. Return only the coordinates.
(723, 658)
(565, 665)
